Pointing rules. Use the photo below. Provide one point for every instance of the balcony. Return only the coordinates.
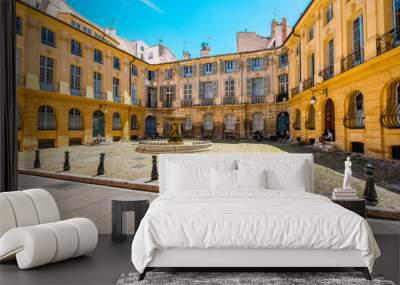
(354, 120)
(327, 73)
(282, 97)
(352, 60)
(75, 92)
(152, 104)
(49, 87)
(257, 99)
(186, 103)
(388, 41)
(294, 91)
(308, 83)
(207, 102)
(100, 95)
(167, 104)
(390, 117)
(229, 101)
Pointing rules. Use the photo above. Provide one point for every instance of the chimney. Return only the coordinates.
(273, 28)
(284, 28)
(205, 49)
(186, 54)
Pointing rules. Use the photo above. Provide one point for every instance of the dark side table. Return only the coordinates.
(119, 206)
(357, 206)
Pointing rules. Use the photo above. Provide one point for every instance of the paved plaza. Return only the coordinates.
(123, 162)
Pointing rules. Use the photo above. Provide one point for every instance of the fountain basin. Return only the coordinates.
(163, 146)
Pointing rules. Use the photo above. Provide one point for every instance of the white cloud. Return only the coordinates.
(152, 6)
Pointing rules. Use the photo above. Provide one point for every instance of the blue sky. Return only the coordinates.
(187, 23)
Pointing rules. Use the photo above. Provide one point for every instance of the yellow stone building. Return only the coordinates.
(339, 69)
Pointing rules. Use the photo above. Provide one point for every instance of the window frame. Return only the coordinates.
(76, 48)
(98, 56)
(48, 37)
(116, 63)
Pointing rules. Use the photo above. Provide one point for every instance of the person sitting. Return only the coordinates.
(329, 135)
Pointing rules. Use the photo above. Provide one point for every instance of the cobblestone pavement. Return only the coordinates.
(123, 162)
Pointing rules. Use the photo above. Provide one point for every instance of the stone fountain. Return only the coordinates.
(175, 142)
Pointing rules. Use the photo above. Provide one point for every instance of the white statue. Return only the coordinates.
(347, 174)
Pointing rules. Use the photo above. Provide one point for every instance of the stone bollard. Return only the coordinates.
(154, 171)
(100, 168)
(369, 192)
(36, 163)
(66, 166)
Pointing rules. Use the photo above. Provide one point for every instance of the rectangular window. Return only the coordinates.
(115, 87)
(257, 87)
(116, 63)
(134, 70)
(310, 33)
(208, 88)
(18, 25)
(76, 25)
(75, 80)
(188, 71)
(312, 66)
(230, 87)
(169, 93)
(229, 66)
(76, 48)
(98, 56)
(169, 74)
(46, 73)
(329, 13)
(208, 68)
(134, 99)
(283, 60)
(48, 37)
(87, 30)
(97, 85)
(187, 91)
(151, 75)
(331, 53)
(283, 83)
(358, 40)
(396, 16)
(256, 64)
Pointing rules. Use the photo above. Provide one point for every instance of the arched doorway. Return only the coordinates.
(98, 124)
(151, 126)
(282, 122)
(330, 117)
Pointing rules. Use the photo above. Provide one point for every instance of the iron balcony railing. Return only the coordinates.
(186, 103)
(310, 125)
(117, 99)
(354, 120)
(257, 99)
(388, 41)
(207, 102)
(294, 91)
(229, 101)
(135, 101)
(167, 104)
(327, 73)
(75, 92)
(308, 83)
(100, 95)
(282, 97)
(390, 117)
(49, 87)
(352, 60)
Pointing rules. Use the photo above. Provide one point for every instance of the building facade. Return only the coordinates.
(339, 69)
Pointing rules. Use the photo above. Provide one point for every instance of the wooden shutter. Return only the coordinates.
(237, 65)
(214, 68)
(267, 85)
(201, 69)
(194, 70)
(249, 64)
(215, 88)
(222, 66)
(162, 93)
(181, 71)
(248, 86)
(201, 89)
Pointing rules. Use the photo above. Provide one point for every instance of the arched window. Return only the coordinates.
(390, 117)
(397, 97)
(297, 120)
(355, 117)
(208, 123)
(116, 122)
(134, 122)
(310, 123)
(258, 122)
(19, 118)
(229, 121)
(46, 118)
(187, 124)
(75, 119)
